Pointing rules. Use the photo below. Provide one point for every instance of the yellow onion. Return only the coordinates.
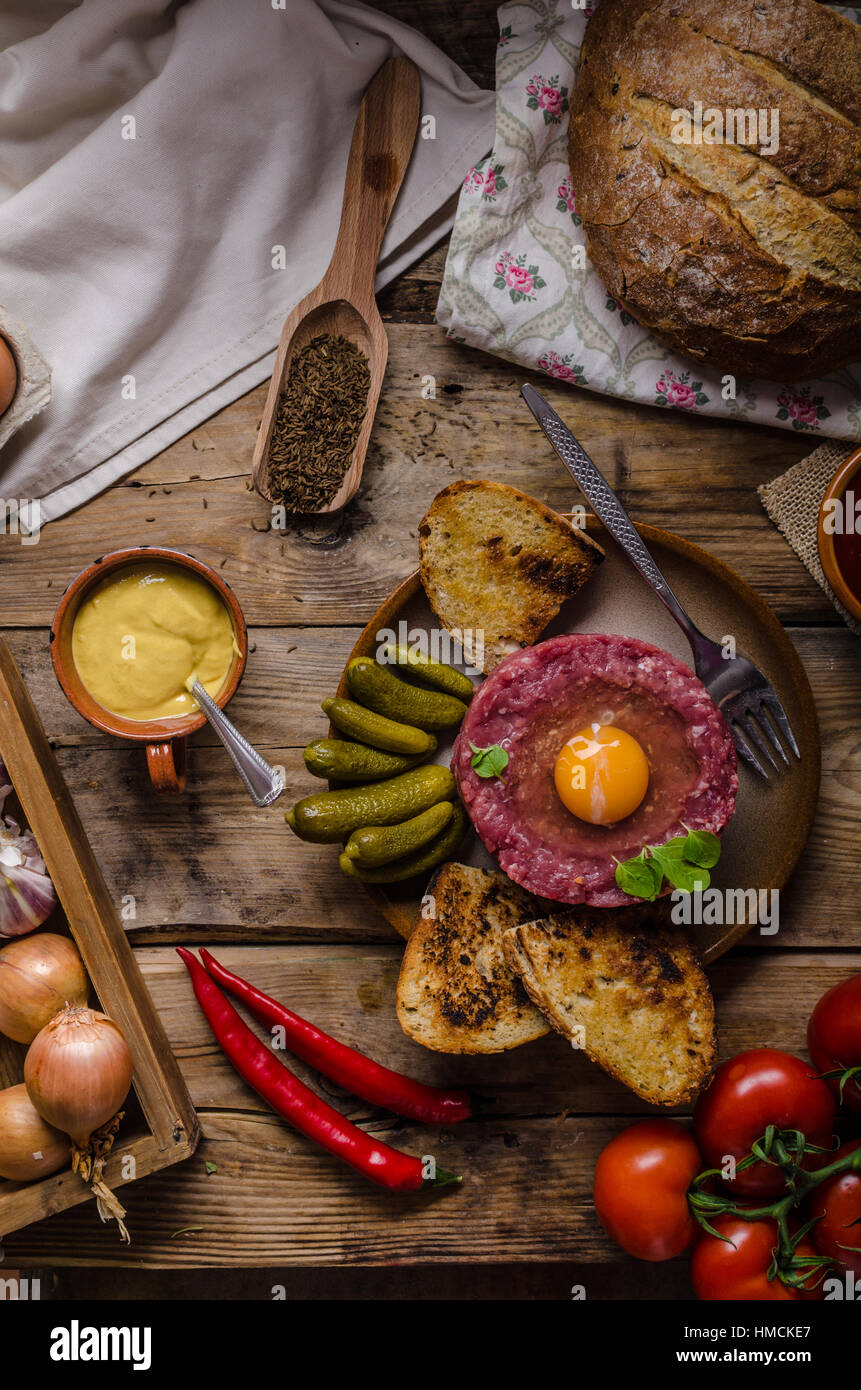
(78, 1071)
(29, 1148)
(38, 975)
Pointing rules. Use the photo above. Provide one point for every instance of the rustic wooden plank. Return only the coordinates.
(140, 1153)
(412, 298)
(761, 1000)
(697, 476)
(271, 1201)
(210, 858)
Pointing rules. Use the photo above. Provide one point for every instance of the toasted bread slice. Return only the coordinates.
(627, 986)
(499, 563)
(455, 992)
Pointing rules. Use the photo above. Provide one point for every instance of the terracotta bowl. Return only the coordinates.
(848, 473)
(165, 739)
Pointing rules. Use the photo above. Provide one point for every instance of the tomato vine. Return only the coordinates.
(785, 1150)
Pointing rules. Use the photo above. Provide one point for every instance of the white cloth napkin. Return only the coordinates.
(144, 267)
(510, 284)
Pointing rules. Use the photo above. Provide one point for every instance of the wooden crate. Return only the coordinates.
(161, 1127)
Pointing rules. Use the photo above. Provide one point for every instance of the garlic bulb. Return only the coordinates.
(27, 896)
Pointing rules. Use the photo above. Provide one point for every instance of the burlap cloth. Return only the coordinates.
(793, 501)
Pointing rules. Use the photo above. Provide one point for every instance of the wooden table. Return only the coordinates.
(208, 868)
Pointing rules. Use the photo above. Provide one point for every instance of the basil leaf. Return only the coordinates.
(489, 762)
(639, 878)
(702, 848)
(688, 878)
(684, 860)
(673, 849)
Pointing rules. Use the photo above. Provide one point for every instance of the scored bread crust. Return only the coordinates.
(740, 259)
(455, 991)
(633, 982)
(496, 560)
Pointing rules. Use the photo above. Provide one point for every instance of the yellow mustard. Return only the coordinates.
(146, 631)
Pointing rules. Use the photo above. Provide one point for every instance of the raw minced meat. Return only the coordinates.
(540, 697)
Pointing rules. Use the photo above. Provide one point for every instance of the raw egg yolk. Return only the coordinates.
(601, 774)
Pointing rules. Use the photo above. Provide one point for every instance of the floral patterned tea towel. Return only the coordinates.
(511, 286)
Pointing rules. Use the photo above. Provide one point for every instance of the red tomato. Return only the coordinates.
(640, 1190)
(838, 1203)
(721, 1271)
(834, 1036)
(750, 1092)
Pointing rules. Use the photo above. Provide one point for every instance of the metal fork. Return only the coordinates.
(748, 701)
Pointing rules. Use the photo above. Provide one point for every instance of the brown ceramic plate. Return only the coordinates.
(764, 840)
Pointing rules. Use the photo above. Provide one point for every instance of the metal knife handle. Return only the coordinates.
(605, 503)
(262, 781)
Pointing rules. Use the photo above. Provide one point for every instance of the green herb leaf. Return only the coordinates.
(684, 861)
(673, 849)
(639, 878)
(688, 878)
(489, 762)
(210, 1168)
(702, 848)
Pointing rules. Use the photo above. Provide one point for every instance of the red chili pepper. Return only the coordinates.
(298, 1104)
(349, 1068)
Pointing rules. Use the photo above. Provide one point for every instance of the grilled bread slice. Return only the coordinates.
(499, 563)
(455, 991)
(626, 986)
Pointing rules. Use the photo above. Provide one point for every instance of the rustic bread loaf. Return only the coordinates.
(744, 255)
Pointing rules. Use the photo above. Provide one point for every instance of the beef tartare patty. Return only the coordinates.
(534, 702)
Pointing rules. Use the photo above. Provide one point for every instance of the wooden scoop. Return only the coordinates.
(344, 302)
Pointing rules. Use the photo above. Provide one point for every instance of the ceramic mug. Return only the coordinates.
(848, 476)
(165, 739)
